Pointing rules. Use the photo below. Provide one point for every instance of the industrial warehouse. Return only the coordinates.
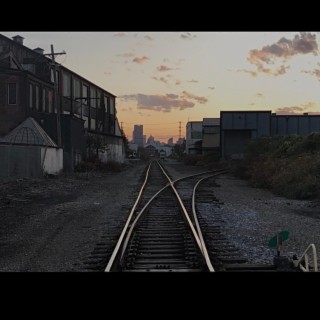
(74, 113)
(235, 129)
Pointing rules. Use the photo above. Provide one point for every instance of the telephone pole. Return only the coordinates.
(55, 88)
(179, 130)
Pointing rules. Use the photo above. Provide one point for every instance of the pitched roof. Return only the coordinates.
(29, 132)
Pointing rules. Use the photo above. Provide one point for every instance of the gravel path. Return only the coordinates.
(253, 216)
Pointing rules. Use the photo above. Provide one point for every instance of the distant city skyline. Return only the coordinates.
(164, 78)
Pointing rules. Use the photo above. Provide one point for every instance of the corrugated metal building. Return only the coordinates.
(294, 124)
(238, 127)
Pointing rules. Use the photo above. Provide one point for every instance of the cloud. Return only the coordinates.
(315, 72)
(303, 43)
(252, 104)
(119, 34)
(178, 82)
(148, 37)
(140, 59)
(126, 55)
(211, 88)
(187, 36)
(172, 96)
(252, 73)
(162, 79)
(259, 95)
(163, 68)
(193, 81)
(107, 73)
(127, 97)
(191, 96)
(164, 103)
(296, 109)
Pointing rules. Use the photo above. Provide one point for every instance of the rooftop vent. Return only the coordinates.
(38, 50)
(18, 39)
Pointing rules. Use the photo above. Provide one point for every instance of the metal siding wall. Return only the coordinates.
(226, 122)
(281, 126)
(251, 121)
(20, 161)
(273, 126)
(314, 124)
(239, 121)
(263, 124)
(292, 125)
(303, 125)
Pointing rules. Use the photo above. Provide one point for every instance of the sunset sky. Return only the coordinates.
(162, 78)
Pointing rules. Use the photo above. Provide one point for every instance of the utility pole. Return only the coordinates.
(179, 130)
(55, 87)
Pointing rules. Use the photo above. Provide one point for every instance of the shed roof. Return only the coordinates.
(29, 132)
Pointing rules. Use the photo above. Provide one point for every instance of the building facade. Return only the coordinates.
(239, 127)
(194, 137)
(67, 106)
(137, 135)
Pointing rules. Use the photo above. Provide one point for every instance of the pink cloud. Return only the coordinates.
(140, 59)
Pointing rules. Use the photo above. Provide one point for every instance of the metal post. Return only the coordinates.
(55, 104)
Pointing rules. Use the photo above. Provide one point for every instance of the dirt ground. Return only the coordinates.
(54, 224)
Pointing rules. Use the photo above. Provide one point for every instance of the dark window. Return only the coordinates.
(37, 97)
(50, 109)
(30, 96)
(12, 93)
(85, 90)
(43, 105)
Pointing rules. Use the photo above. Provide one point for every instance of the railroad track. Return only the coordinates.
(160, 233)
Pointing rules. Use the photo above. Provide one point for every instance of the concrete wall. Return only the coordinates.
(52, 160)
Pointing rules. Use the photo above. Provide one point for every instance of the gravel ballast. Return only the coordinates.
(55, 224)
(253, 216)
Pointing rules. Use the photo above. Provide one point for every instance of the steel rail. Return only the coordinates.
(194, 212)
(124, 230)
(124, 242)
(185, 212)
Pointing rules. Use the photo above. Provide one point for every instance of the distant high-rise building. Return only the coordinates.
(144, 139)
(170, 142)
(150, 140)
(138, 135)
